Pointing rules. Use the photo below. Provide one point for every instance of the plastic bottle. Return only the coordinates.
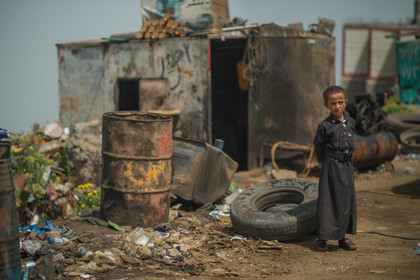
(82, 251)
(219, 143)
(410, 170)
(56, 240)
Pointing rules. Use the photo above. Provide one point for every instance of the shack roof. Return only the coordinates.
(265, 30)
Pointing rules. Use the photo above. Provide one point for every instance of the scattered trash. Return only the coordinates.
(63, 231)
(114, 226)
(223, 255)
(416, 251)
(183, 231)
(377, 271)
(26, 266)
(162, 234)
(141, 237)
(163, 227)
(31, 246)
(56, 240)
(82, 251)
(238, 237)
(215, 213)
(4, 134)
(225, 208)
(229, 199)
(410, 170)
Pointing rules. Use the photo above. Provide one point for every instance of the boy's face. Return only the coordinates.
(336, 104)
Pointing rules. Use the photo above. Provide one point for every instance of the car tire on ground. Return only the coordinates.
(283, 209)
(398, 123)
(410, 141)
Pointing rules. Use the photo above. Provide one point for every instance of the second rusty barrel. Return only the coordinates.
(372, 150)
(9, 235)
(136, 175)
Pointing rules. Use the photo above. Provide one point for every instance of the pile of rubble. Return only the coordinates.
(200, 242)
(50, 165)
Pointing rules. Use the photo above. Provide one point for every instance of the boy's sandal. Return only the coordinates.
(321, 245)
(346, 244)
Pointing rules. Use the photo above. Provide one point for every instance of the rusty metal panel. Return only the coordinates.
(201, 172)
(286, 101)
(183, 62)
(81, 72)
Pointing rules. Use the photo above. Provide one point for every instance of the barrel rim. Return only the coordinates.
(5, 143)
(130, 157)
(114, 115)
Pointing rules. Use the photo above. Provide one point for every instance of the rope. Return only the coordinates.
(389, 235)
(293, 146)
(256, 54)
(257, 57)
(388, 193)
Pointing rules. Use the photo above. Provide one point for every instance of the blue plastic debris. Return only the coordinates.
(48, 226)
(4, 134)
(416, 251)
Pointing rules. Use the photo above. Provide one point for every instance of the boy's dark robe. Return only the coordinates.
(336, 209)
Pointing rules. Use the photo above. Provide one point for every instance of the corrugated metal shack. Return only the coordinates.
(203, 77)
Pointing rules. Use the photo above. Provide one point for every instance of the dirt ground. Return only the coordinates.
(388, 202)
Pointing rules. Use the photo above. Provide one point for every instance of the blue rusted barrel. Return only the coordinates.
(137, 162)
(9, 234)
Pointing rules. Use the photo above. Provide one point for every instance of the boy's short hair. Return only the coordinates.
(332, 90)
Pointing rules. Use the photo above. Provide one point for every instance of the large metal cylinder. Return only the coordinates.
(9, 234)
(375, 149)
(137, 161)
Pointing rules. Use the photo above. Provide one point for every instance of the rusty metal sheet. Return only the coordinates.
(285, 100)
(201, 173)
(81, 71)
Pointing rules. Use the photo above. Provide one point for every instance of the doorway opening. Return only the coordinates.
(127, 94)
(230, 98)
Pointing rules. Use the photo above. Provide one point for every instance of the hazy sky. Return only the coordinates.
(29, 30)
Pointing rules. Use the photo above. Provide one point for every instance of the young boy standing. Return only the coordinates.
(333, 144)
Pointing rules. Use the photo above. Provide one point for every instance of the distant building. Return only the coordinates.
(369, 58)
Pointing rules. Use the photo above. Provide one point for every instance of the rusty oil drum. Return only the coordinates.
(137, 162)
(9, 235)
(375, 149)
